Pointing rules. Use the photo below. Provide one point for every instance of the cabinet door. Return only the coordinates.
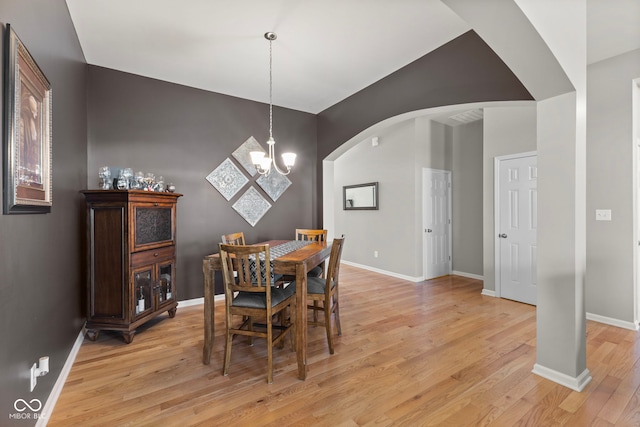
(142, 288)
(165, 289)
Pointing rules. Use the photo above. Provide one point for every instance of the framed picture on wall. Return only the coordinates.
(27, 131)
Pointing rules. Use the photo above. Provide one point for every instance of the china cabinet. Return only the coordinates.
(131, 259)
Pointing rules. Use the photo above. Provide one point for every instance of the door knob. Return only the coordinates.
(429, 230)
(503, 236)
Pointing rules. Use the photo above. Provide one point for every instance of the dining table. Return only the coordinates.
(298, 262)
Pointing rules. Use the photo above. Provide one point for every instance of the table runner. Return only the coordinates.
(275, 252)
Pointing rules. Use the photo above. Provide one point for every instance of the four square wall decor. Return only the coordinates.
(229, 179)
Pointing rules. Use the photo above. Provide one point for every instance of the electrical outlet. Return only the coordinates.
(375, 254)
(603, 214)
(34, 376)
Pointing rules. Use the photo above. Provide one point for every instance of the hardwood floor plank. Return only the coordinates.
(411, 354)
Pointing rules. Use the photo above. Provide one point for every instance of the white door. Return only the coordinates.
(517, 227)
(436, 223)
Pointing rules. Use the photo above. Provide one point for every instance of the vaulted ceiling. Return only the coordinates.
(325, 51)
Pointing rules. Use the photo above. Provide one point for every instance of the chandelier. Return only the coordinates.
(263, 164)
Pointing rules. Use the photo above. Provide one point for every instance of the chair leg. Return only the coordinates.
(269, 350)
(315, 311)
(282, 320)
(292, 321)
(327, 322)
(227, 353)
(336, 310)
(250, 327)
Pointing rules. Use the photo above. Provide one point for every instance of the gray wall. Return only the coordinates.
(405, 149)
(609, 279)
(183, 134)
(467, 196)
(507, 130)
(41, 256)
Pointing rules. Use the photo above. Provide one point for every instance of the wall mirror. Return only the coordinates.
(360, 197)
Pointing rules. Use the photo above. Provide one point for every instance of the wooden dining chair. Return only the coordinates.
(233, 238)
(316, 236)
(325, 290)
(251, 295)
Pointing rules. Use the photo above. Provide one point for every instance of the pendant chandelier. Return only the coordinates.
(264, 164)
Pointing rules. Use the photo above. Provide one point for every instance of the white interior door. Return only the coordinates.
(517, 227)
(436, 223)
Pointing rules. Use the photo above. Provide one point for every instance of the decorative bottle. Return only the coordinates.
(140, 301)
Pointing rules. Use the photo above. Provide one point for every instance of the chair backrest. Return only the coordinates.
(233, 238)
(253, 265)
(334, 262)
(311, 234)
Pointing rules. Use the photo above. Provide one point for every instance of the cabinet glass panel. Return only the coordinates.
(166, 290)
(142, 287)
(153, 225)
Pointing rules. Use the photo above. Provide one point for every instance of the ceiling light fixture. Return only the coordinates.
(263, 164)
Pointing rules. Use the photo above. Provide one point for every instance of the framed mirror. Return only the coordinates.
(360, 197)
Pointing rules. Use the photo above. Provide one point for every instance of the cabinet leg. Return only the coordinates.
(128, 336)
(92, 334)
(172, 312)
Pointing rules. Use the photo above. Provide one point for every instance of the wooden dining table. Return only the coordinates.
(296, 263)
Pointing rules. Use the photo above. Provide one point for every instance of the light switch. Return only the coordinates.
(603, 214)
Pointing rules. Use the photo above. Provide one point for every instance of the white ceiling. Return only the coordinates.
(326, 50)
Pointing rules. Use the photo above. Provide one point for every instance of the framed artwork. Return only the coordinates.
(27, 131)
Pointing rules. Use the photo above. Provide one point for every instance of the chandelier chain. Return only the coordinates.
(262, 163)
(270, 88)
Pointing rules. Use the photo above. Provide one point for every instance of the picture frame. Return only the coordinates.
(27, 136)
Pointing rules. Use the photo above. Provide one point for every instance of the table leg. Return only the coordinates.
(209, 289)
(301, 320)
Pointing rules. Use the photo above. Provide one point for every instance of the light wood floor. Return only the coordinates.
(431, 353)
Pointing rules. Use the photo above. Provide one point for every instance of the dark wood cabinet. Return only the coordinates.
(131, 259)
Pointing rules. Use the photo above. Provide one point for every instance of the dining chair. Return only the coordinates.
(325, 290)
(313, 235)
(251, 295)
(238, 239)
(233, 238)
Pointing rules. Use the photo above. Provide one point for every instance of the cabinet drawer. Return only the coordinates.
(154, 225)
(151, 256)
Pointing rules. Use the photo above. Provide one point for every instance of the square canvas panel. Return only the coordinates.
(252, 206)
(227, 179)
(244, 158)
(274, 184)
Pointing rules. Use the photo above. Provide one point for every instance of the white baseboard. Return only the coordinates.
(613, 322)
(469, 275)
(577, 384)
(47, 410)
(198, 301)
(190, 302)
(488, 292)
(386, 273)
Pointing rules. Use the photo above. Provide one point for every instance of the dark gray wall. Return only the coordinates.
(462, 71)
(41, 256)
(183, 134)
